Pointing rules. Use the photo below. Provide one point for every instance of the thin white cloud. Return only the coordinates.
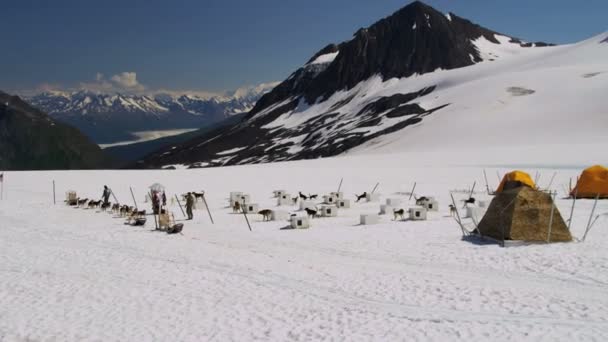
(124, 82)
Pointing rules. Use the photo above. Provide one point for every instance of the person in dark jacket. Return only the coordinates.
(189, 205)
(106, 194)
(164, 199)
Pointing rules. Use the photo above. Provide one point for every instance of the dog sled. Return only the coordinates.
(71, 198)
(166, 223)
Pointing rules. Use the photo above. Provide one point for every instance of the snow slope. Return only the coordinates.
(552, 95)
(72, 274)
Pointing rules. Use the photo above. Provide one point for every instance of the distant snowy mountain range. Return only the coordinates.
(109, 118)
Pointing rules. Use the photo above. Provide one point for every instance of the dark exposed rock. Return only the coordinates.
(31, 140)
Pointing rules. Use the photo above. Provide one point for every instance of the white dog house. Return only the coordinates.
(278, 193)
(393, 202)
(284, 199)
(279, 215)
(235, 195)
(372, 197)
(329, 211)
(343, 203)
(338, 195)
(367, 219)
(417, 214)
(251, 208)
(307, 204)
(430, 204)
(385, 209)
(298, 222)
(330, 199)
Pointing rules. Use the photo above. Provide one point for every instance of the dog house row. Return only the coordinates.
(368, 219)
(329, 211)
(300, 222)
(249, 208)
(417, 214)
(284, 199)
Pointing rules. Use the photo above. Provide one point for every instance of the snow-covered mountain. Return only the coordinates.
(108, 118)
(414, 81)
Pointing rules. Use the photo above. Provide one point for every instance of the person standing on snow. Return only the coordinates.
(189, 205)
(106, 194)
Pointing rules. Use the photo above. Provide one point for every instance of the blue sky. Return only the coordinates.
(218, 45)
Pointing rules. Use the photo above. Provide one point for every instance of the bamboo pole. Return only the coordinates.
(472, 189)
(180, 206)
(412, 192)
(458, 215)
(551, 217)
(246, 219)
(54, 200)
(485, 177)
(208, 211)
(340, 186)
(375, 187)
(133, 196)
(572, 209)
(590, 217)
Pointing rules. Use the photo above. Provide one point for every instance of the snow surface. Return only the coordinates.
(74, 274)
(326, 58)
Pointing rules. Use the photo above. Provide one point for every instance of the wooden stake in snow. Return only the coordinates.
(572, 209)
(375, 187)
(246, 219)
(551, 182)
(551, 217)
(54, 201)
(412, 192)
(472, 189)
(590, 217)
(485, 177)
(180, 206)
(208, 211)
(458, 216)
(340, 186)
(133, 196)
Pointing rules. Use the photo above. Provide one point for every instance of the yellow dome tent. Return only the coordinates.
(515, 179)
(592, 182)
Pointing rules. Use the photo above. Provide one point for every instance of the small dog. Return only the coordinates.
(94, 204)
(312, 213)
(105, 206)
(265, 214)
(452, 210)
(398, 213)
(236, 207)
(313, 196)
(421, 200)
(302, 196)
(82, 202)
(360, 197)
(115, 208)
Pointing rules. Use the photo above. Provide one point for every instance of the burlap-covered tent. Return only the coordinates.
(515, 179)
(523, 214)
(592, 182)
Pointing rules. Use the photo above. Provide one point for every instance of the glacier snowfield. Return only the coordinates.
(71, 274)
